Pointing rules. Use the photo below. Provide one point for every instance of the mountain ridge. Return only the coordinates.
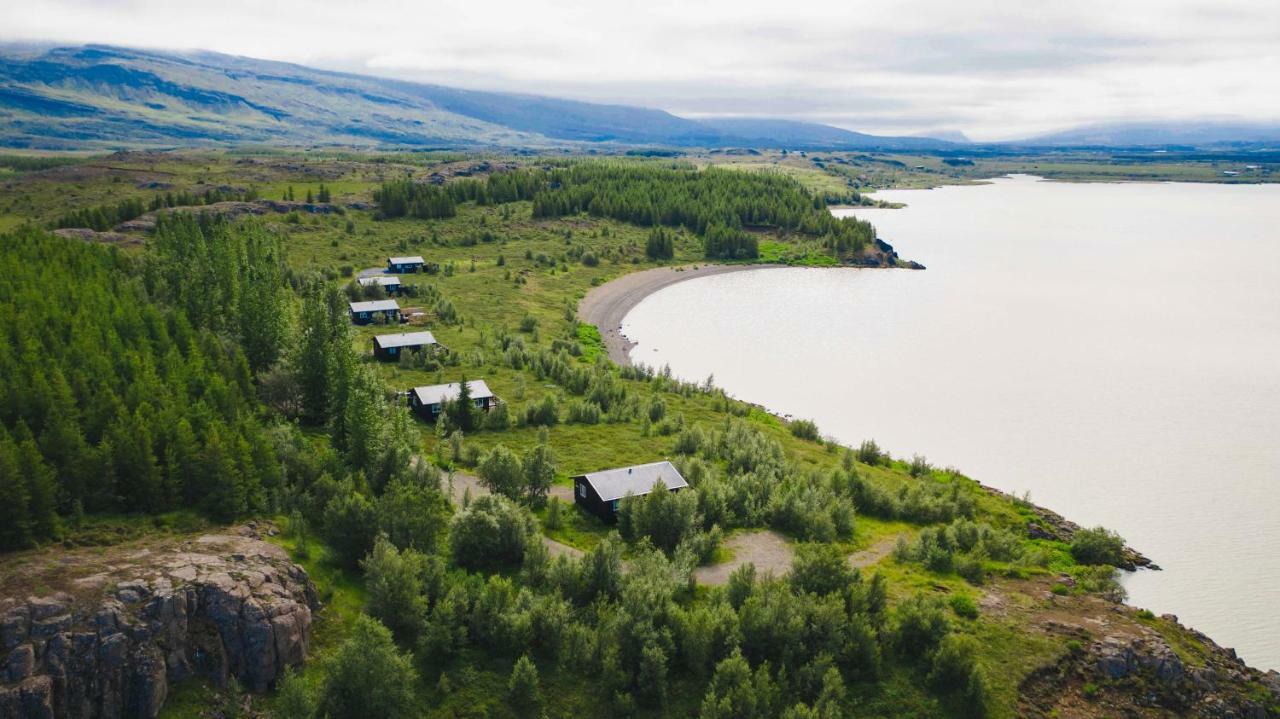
(56, 97)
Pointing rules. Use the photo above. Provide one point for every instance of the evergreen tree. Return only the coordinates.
(222, 487)
(369, 676)
(524, 689)
(394, 589)
(41, 486)
(16, 525)
(462, 411)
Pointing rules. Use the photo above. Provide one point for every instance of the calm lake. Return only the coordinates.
(1112, 348)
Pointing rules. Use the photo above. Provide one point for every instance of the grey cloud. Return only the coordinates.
(989, 67)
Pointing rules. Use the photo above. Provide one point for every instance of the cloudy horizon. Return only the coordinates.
(992, 70)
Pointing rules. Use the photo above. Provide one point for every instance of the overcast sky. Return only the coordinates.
(993, 70)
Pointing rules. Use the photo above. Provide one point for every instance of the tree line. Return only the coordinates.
(106, 216)
(718, 205)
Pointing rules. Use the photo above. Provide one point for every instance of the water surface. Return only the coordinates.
(1112, 348)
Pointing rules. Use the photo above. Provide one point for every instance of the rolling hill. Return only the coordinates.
(101, 96)
(1169, 133)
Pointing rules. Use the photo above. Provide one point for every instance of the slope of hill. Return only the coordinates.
(763, 131)
(1137, 134)
(66, 97)
(99, 96)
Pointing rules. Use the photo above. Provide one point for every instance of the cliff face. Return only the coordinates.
(113, 630)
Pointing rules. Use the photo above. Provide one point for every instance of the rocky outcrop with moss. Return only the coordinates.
(106, 633)
(1153, 667)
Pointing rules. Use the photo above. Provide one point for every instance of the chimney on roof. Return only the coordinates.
(629, 469)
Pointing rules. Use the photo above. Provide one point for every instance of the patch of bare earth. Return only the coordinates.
(769, 551)
(872, 555)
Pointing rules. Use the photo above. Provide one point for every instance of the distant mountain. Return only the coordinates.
(954, 136)
(1139, 134)
(759, 131)
(102, 96)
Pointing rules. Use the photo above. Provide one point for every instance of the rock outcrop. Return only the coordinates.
(1139, 673)
(113, 636)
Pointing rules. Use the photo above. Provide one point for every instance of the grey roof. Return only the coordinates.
(613, 484)
(415, 259)
(437, 393)
(384, 280)
(405, 339)
(375, 306)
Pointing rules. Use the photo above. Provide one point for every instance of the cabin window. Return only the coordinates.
(480, 403)
(391, 350)
(582, 491)
(614, 505)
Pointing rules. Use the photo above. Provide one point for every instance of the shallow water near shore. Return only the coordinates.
(1112, 348)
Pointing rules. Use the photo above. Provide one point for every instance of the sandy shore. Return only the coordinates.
(606, 306)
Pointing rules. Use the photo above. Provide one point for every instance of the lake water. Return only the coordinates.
(1112, 348)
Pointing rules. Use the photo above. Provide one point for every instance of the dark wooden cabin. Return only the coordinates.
(601, 492)
(413, 263)
(388, 348)
(389, 283)
(428, 401)
(362, 313)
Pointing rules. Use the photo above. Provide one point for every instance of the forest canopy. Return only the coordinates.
(718, 205)
(110, 401)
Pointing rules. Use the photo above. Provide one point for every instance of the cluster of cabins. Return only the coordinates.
(362, 313)
(599, 493)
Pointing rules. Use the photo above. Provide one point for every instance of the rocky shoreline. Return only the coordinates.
(1141, 673)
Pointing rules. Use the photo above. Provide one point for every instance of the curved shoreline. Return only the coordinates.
(606, 305)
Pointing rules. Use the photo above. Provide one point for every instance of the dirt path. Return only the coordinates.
(463, 482)
(768, 550)
(371, 272)
(873, 554)
(606, 306)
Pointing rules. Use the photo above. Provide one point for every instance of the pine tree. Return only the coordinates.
(138, 479)
(41, 487)
(15, 515)
(182, 457)
(223, 493)
(524, 689)
(462, 410)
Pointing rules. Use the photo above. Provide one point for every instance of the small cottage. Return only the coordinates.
(389, 283)
(601, 492)
(389, 347)
(362, 313)
(405, 264)
(428, 402)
